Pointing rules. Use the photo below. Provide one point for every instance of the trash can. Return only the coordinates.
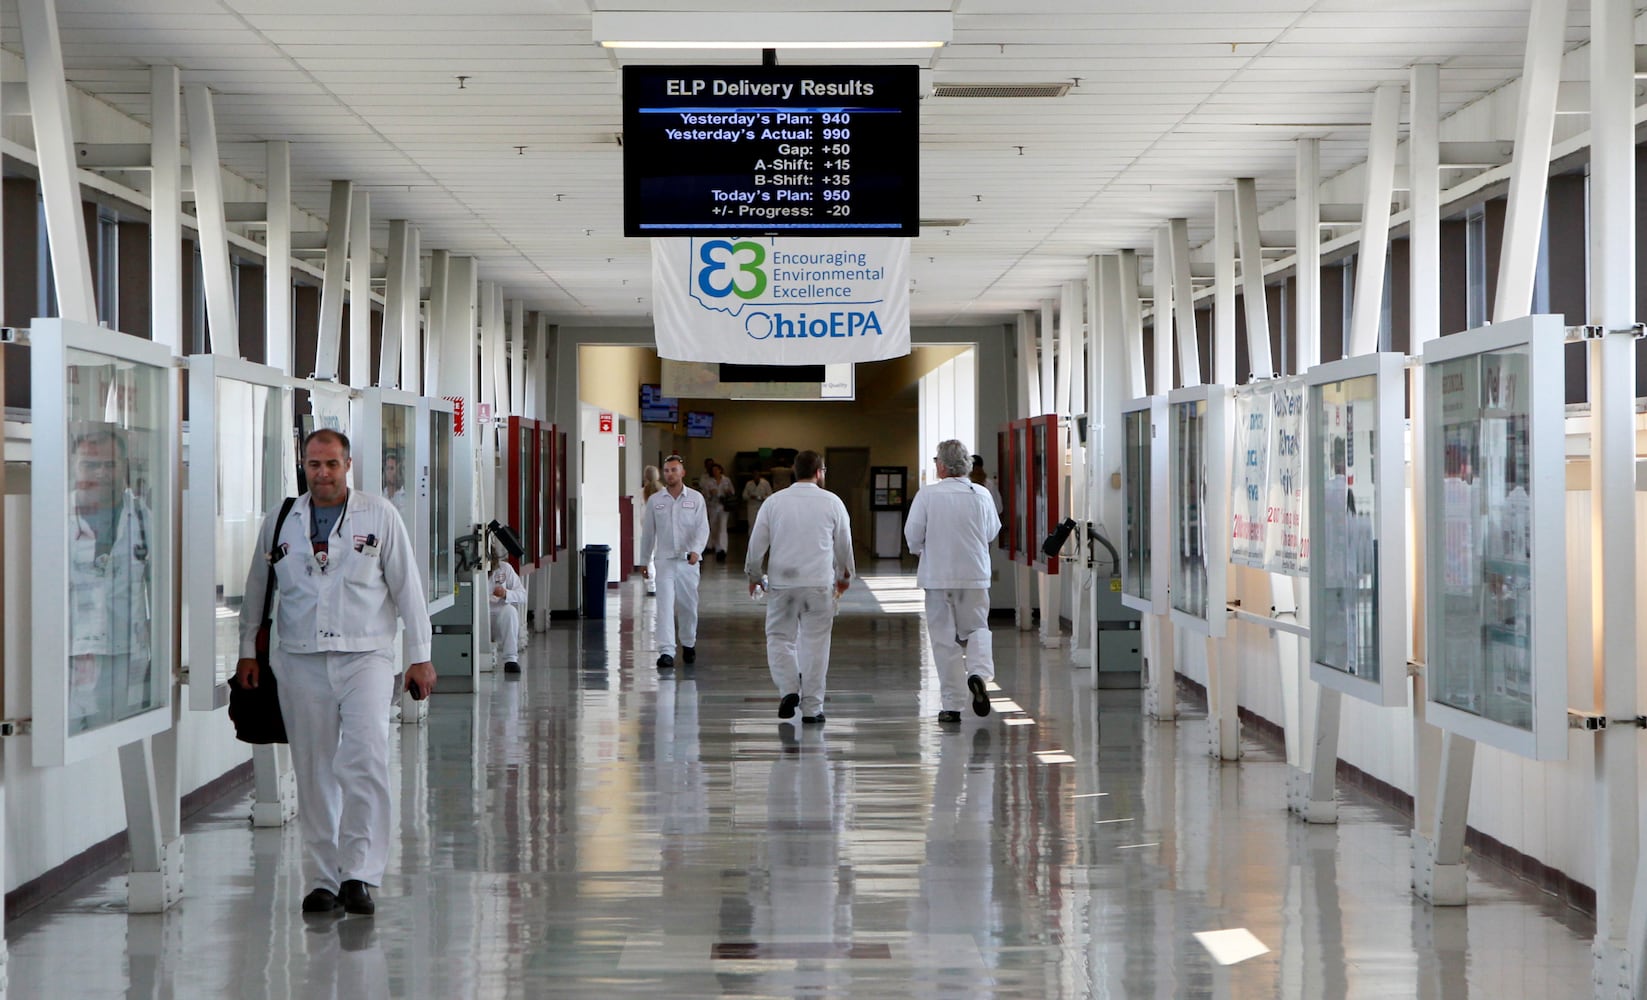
(594, 580)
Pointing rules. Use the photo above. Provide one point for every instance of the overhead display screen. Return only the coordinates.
(806, 150)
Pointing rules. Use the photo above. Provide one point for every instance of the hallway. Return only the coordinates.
(593, 828)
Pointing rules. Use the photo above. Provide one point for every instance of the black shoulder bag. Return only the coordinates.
(255, 712)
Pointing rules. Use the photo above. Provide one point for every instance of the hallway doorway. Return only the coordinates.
(848, 478)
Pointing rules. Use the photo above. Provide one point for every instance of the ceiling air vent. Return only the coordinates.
(1000, 89)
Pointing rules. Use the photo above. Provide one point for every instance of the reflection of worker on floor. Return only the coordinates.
(957, 881)
(507, 593)
(801, 915)
(683, 790)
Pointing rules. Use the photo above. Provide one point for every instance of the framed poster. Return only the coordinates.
(1143, 487)
(1495, 520)
(1358, 520)
(1198, 419)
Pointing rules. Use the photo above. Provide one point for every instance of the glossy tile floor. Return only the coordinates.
(594, 829)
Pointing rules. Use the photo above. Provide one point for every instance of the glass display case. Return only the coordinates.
(1198, 419)
(520, 449)
(1495, 511)
(546, 487)
(1047, 452)
(1022, 494)
(103, 503)
(242, 464)
(436, 487)
(1269, 491)
(562, 486)
(1143, 484)
(1358, 518)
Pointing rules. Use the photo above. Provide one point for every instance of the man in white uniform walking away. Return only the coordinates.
(810, 538)
(507, 595)
(673, 534)
(951, 525)
(345, 570)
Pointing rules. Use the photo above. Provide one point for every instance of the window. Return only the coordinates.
(1475, 264)
(108, 269)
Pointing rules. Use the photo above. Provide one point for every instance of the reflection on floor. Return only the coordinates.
(595, 829)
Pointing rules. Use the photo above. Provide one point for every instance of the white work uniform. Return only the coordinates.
(672, 528)
(110, 608)
(755, 493)
(335, 658)
(951, 526)
(715, 493)
(810, 537)
(505, 610)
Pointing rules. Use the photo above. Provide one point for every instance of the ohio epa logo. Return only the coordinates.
(728, 268)
(800, 326)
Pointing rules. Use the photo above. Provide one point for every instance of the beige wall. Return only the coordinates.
(610, 376)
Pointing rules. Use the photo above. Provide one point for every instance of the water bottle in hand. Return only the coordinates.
(760, 590)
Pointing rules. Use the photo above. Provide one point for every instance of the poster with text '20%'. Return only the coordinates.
(777, 301)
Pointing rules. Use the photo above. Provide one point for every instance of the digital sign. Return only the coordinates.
(803, 150)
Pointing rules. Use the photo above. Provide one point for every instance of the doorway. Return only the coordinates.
(848, 478)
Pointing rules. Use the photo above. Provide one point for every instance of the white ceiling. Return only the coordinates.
(1175, 97)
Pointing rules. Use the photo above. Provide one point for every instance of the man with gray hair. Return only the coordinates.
(951, 525)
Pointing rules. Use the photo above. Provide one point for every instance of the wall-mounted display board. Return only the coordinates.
(1198, 439)
(520, 474)
(1143, 486)
(561, 490)
(1022, 490)
(1356, 471)
(546, 482)
(1047, 450)
(1495, 510)
(436, 485)
(1269, 524)
(103, 504)
(242, 464)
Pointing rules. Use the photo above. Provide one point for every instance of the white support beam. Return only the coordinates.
(389, 358)
(1621, 889)
(330, 337)
(360, 291)
(1029, 383)
(222, 318)
(1183, 302)
(1530, 175)
(165, 193)
(1048, 331)
(1424, 185)
(411, 327)
(277, 275)
(500, 351)
(1256, 305)
(1223, 293)
(1132, 322)
(1307, 212)
(1373, 257)
(1161, 311)
(59, 174)
(439, 269)
(517, 363)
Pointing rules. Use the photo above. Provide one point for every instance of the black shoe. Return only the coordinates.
(720, 556)
(356, 897)
(666, 662)
(947, 717)
(786, 735)
(511, 667)
(813, 720)
(321, 901)
(980, 695)
(689, 654)
(786, 708)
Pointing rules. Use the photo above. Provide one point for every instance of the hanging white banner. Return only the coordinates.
(778, 301)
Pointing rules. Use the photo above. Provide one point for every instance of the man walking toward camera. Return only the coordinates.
(673, 534)
(951, 525)
(810, 538)
(345, 571)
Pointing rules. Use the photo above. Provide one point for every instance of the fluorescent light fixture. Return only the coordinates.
(772, 29)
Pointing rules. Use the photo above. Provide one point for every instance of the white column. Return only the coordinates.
(517, 365)
(1223, 292)
(277, 274)
(1375, 220)
(1049, 353)
(1161, 313)
(331, 285)
(459, 377)
(1063, 364)
(1183, 302)
(411, 301)
(59, 167)
(394, 293)
(1530, 170)
(1621, 889)
(360, 291)
(222, 318)
(1132, 323)
(1029, 381)
(1308, 221)
(1253, 300)
(439, 268)
(165, 208)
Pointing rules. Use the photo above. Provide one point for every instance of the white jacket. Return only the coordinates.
(810, 536)
(673, 526)
(957, 517)
(370, 578)
(514, 587)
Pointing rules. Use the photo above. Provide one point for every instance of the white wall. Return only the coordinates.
(598, 514)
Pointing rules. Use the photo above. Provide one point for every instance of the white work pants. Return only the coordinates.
(954, 617)
(677, 597)
(798, 625)
(333, 704)
(718, 517)
(506, 631)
